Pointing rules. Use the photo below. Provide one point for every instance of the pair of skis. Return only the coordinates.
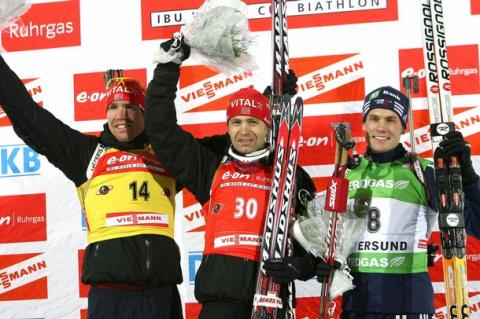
(447, 170)
(267, 298)
(285, 136)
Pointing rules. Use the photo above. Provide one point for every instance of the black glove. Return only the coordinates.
(287, 269)
(289, 85)
(432, 249)
(176, 46)
(323, 269)
(454, 144)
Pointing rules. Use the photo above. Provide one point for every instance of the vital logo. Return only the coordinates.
(194, 260)
(23, 277)
(52, 24)
(90, 94)
(463, 66)
(18, 160)
(23, 218)
(162, 18)
(33, 87)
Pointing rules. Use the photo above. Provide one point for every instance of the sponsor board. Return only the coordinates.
(18, 160)
(194, 221)
(441, 308)
(327, 79)
(317, 143)
(202, 89)
(192, 310)
(463, 64)
(475, 6)
(46, 25)
(466, 119)
(23, 277)
(160, 19)
(90, 95)
(473, 260)
(34, 87)
(82, 288)
(307, 307)
(194, 260)
(321, 79)
(23, 218)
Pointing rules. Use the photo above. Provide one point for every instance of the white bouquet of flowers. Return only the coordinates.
(10, 10)
(311, 232)
(219, 36)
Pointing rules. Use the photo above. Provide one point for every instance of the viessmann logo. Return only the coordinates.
(326, 79)
(161, 18)
(46, 25)
(202, 89)
(23, 277)
(34, 87)
(23, 218)
(90, 95)
(462, 62)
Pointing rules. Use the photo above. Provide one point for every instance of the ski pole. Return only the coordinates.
(335, 204)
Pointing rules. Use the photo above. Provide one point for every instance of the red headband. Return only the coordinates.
(126, 89)
(249, 102)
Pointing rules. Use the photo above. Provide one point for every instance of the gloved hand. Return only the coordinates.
(432, 249)
(173, 50)
(289, 85)
(454, 144)
(323, 269)
(287, 269)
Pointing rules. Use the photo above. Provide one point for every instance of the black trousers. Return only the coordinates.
(361, 315)
(160, 303)
(229, 310)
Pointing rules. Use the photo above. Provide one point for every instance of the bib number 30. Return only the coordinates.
(245, 207)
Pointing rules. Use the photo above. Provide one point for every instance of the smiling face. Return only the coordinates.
(247, 134)
(383, 129)
(125, 120)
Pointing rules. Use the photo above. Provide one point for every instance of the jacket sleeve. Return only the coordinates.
(64, 147)
(192, 164)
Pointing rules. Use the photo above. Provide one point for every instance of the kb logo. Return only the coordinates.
(18, 160)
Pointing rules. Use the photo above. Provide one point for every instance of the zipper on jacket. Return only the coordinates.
(95, 250)
(147, 261)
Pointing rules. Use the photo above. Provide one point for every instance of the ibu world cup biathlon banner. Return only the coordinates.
(339, 49)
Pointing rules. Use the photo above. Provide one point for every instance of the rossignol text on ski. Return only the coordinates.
(447, 170)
